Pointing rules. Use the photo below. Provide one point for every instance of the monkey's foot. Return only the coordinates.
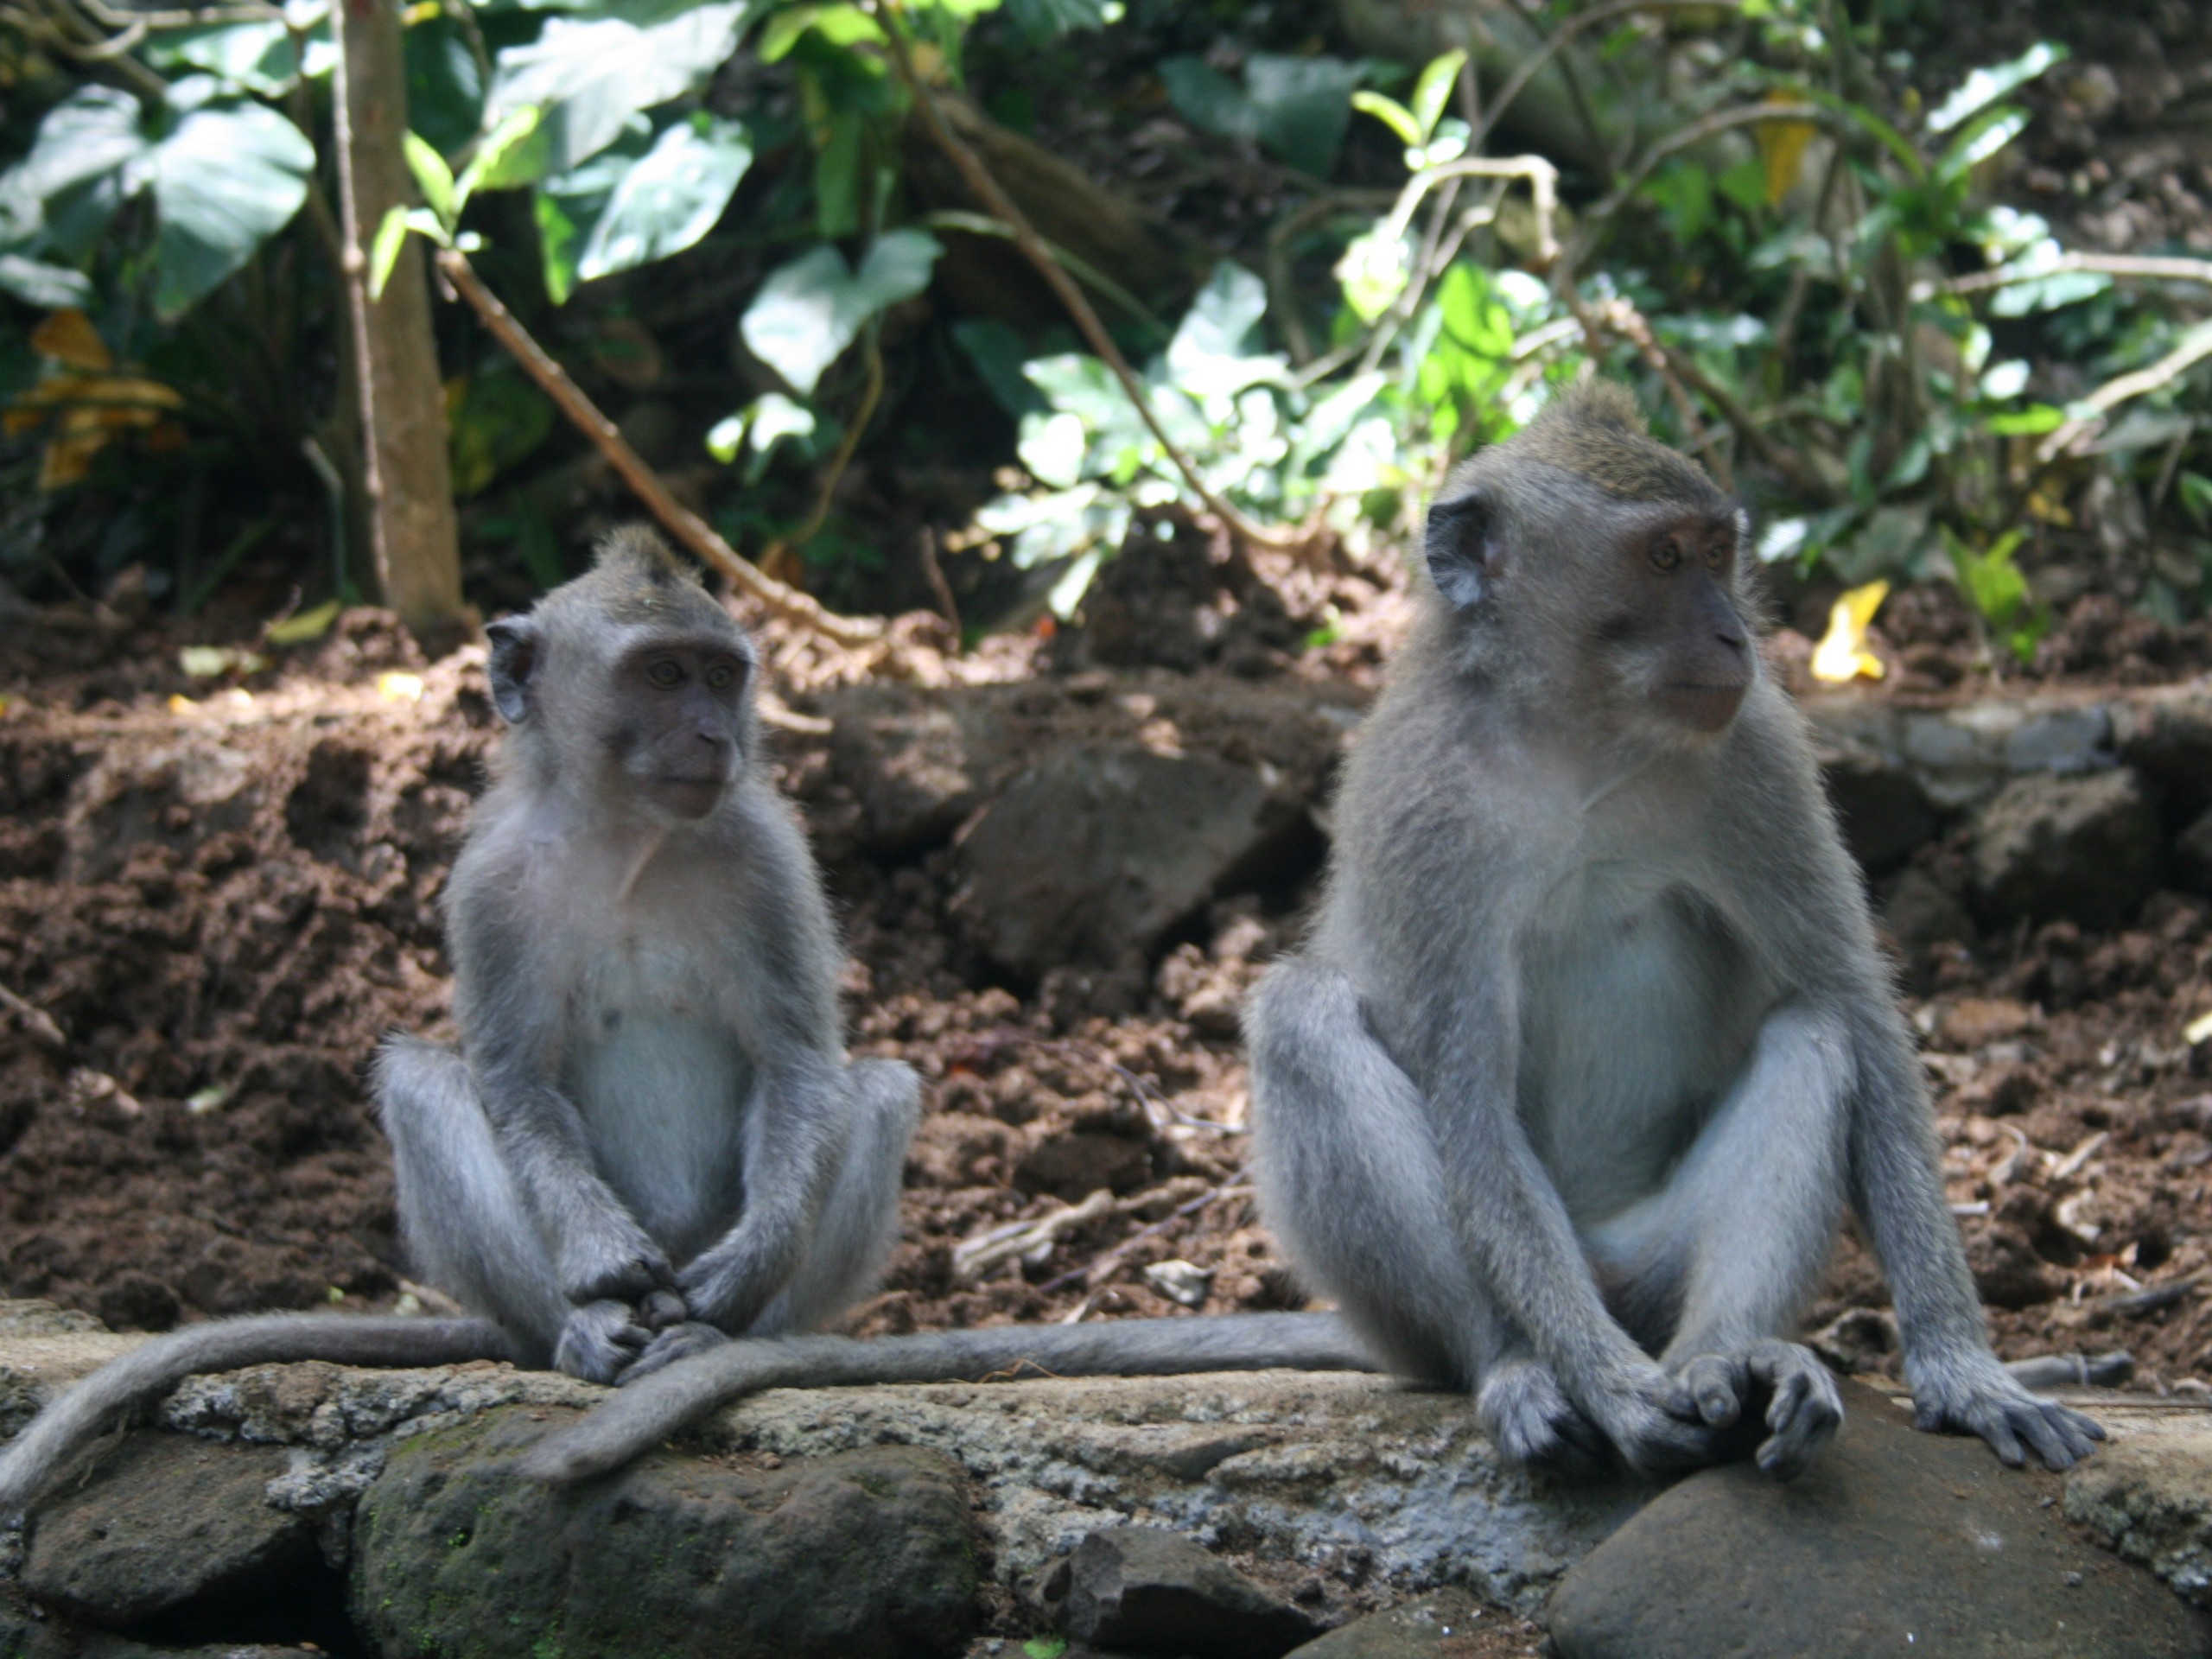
(599, 1341)
(1529, 1419)
(607, 1257)
(1803, 1404)
(1972, 1394)
(677, 1342)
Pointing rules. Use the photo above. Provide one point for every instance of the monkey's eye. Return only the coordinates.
(1716, 557)
(1666, 555)
(665, 673)
(720, 676)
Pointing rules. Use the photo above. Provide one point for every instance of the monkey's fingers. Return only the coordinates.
(1802, 1418)
(662, 1309)
(676, 1342)
(2060, 1437)
(1717, 1383)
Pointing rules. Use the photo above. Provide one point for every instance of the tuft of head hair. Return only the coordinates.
(1597, 432)
(637, 580)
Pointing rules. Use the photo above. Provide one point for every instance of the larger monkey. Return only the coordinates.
(1591, 1043)
(649, 1136)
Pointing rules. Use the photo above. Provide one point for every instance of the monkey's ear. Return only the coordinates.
(1463, 547)
(514, 655)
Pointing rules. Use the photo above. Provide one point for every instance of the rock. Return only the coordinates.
(1884, 812)
(1439, 1626)
(1092, 854)
(2193, 855)
(168, 1523)
(2149, 1496)
(917, 766)
(2081, 849)
(42, 1351)
(1920, 911)
(1141, 1590)
(855, 1555)
(1894, 1542)
(2165, 732)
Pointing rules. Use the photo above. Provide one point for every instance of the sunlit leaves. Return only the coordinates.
(1998, 589)
(1296, 107)
(670, 199)
(810, 309)
(1983, 87)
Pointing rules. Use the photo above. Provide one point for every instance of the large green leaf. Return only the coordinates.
(259, 56)
(88, 135)
(1298, 107)
(591, 76)
(225, 181)
(670, 199)
(809, 310)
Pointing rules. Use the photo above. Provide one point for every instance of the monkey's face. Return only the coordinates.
(676, 721)
(1673, 629)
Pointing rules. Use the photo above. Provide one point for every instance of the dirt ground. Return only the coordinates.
(215, 897)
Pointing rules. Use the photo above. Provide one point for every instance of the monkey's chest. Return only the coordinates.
(1637, 1009)
(661, 1084)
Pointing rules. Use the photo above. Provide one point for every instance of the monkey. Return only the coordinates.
(649, 1136)
(1591, 1042)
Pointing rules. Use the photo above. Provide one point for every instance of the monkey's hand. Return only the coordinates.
(728, 1285)
(599, 1341)
(1531, 1422)
(1650, 1417)
(606, 1256)
(1972, 1392)
(1803, 1406)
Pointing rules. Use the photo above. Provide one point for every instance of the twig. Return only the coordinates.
(682, 523)
(871, 394)
(34, 1019)
(1064, 287)
(974, 1258)
(2195, 345)
(940, 589)
(2147, 267)
(1092, 1272)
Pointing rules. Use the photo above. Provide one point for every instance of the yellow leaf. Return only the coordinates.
(2199, 1029)
(206, 662)
(397, 687)
(182, 706)
(1781, 147)
(307, 625)
(1842, 655)
(68, 336)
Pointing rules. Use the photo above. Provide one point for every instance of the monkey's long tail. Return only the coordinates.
(58, 1433)
(640, 1416)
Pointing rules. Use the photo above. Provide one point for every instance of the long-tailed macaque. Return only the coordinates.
(1591, 1045)
(650, 1137)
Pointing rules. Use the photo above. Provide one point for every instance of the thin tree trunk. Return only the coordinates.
(413, 539)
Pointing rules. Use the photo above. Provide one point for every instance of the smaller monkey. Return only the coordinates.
(649, 1138)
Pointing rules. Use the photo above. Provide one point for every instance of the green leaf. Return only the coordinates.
(383, 252)
(1433, 89)
(257, 56)
(810, 309)
(591, 75)
(505, 159)
(1045, 20)
(1044, 1647)
(49, 287)
(1392, 114)
(445, 85)
(670, 199)
(2196, 491)
(1985, 86)
(1302, 106)
(433, 178)
(2035, 419)
(838, 25)
(1208, 99)
(88, 135)
(1212, 352)
(497, 420)
(998, 351)
(225, 181)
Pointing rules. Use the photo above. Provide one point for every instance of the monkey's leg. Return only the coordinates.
(1351, 1180)
(1734, 1244)
(878, 1103)
(462, 1219)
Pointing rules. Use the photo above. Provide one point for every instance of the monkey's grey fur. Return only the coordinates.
(1591, 1041)
(651, 1137)
(648, 1412)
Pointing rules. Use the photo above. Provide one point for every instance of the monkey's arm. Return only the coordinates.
(1957, 1381)
(647, 1411)
(83, 1414)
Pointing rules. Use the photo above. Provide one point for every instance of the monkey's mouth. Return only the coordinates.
(1705, 706)
(691, 797)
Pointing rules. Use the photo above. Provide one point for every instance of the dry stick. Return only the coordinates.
(2148, 267)
(682, 523)
(34, 1019)
(1106, 1263)
(1064, 287)
(2195, 345)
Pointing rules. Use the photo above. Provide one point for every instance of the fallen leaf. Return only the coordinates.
(307, 625)
(2197, 1029)
(1842, 656)
(397, 687)
(67, 336)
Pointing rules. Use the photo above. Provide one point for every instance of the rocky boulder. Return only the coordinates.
(1141, 1590)
(2083, 850)
(861, 1554)
(1894, 1542)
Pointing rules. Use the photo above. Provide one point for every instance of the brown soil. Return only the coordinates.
(221, 904)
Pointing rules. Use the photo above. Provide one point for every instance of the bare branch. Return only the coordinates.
(681, 522)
